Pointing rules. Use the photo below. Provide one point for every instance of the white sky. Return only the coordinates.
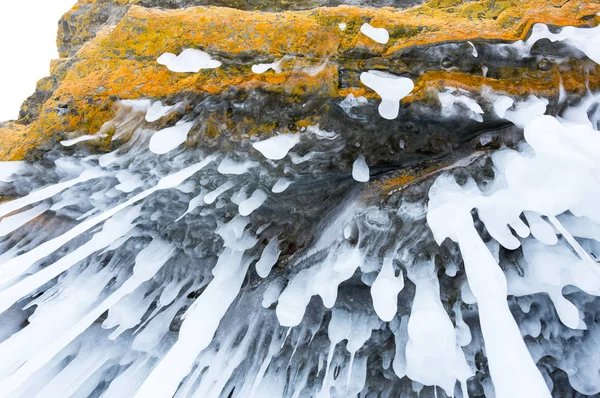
(27, 44)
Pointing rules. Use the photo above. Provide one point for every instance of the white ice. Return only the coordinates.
(268, 258)
(190, 60)
(229, 166)
(275, 148)
(157, 110)
(360, 169)
(262, 68)
(81, 138)
(380, 35)
(255, 200)
(390, 88)
(385, 289)
(281, 185)
(166, 140)
(9, 169)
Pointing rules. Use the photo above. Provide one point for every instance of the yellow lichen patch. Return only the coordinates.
(15, 141)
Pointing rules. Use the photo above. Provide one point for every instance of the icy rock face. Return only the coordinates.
(413, 240)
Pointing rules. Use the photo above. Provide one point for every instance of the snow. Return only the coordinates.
(166, 140)
(275, 148)
(390, 88)
(360, 170)
(189, 61)
(380, 35)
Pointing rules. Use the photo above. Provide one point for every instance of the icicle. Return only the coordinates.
(114, 228)
(48, 192)
(203, 317)
(16, 266)
(147, 264)
(268, 258)
(385, 289)
(12, 223)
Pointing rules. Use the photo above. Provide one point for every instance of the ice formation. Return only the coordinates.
(238, 268)
(380, 35)
(390, 88)
(275, 148)
(189, 61)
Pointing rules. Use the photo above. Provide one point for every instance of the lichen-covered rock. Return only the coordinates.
(109, 51)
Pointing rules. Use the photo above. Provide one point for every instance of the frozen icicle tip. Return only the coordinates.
(360, 170)
(189, 61)
(342, 26)
(380, 35)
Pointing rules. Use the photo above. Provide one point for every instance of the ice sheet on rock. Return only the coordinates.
(166, 140)
(275, 148)
(380, 35)
(449, 101)
(147, 264)
(16, 266)
(157, 111)
(549, 177)
(190, 60)
(360, 170)
(390, 88)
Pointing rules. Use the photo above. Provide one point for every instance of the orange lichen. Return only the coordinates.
(119, 62)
